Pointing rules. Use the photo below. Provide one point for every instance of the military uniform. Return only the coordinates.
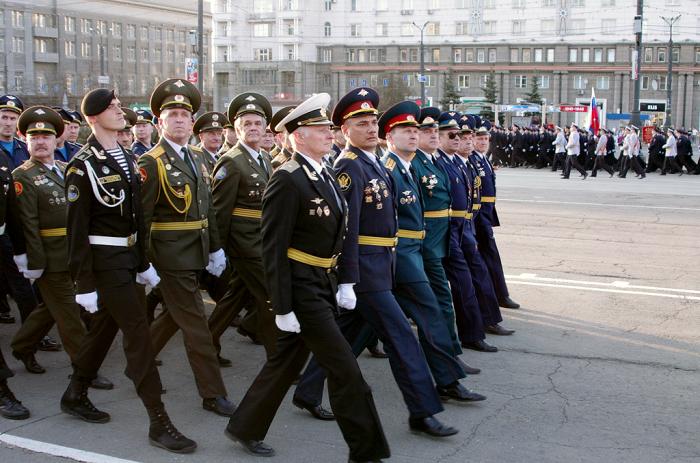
(180, 236)
(142, 117)
(209, 121)
(303, 226)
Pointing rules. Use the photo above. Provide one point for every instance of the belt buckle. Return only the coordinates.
(205, 223)
(131, 240)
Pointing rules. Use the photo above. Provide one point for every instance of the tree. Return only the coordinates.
(450, 96)
(395, 92)
(491, 96)
(533, 96)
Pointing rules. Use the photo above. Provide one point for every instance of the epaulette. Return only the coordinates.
(290, 166)
(156, 152)
(84, 153)
(26, 165)
(348, 155)
(390, 164)
(196, 149)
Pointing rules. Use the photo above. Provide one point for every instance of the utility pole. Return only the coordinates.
(669, 73)
(200, 46)
(421, 77)
(636, 64)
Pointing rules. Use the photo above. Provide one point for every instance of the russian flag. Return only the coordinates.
(593, 116)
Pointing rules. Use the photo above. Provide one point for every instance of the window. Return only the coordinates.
(676, 55)
(86, 84)
(361, 56)
(158, 55)
(382, 29)
(406, 29)
(605, 3)
(661, 55)
(131, 32)
(546, 3)
(580, 83)
(527, 55)
(85, 50)
(586, 55)
(603, 82)
(372, 53)
(19, 81)
(263, 6)
(547, 26)
(17, 45)
(42, 20)
(327, 29)
(577, 26)
(697, 55)
(406, 4)
(131, 53)
(350, 55)
(102, 27)
(353, 5)
(70, 84)
(403, 55)
(543, 82)
(461, 28)
(520, 81)
(355, 30)
(264, 30)
(492, 55)
(117, 30)
(489, 4)
(457, 55)
(573, 55)
(381, 5)
(489, 27)
(263, 54)
(435, 55)
(69, 48)
(414, 55)
(17, 19)
(222, 53)
(85, 26)
(577, 3)
(463, 81)
(662, 83)
(598, 55)
(170, 57)
(328, 5)
(41, 45)
(648, 54)
(483, 80)
(518, 3)
(41, 85)
(609, 26)
(469, 55)
(432, 29)
(290, 52)
(514, 55)
(611, 55)
(539, 55)
(143, 32)
(69, 24)
(117, 53)
(222, 28)
(517, 27)
(645, 82)
(170, 35)
(431, 80)
(550, 55)
(289, 26)
(480, 55)
(382, 55)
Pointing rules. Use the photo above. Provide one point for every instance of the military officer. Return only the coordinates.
(366, 269)
(105, 251)
(304, 220)
(10, 109)
(230, 138)
(125, 137)
(671, 147)
(282, 152)
(72, 130)
(143, 132)
(209, 127)
(239, 181)
(65, 149)
(41, 203)
(181, 235)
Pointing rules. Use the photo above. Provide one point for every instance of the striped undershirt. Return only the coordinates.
(118, 156)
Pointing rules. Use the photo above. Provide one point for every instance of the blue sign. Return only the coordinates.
(363, 83)
(625, 117)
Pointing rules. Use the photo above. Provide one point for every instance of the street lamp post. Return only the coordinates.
(421, 77)
(637, 60)
(669, 74)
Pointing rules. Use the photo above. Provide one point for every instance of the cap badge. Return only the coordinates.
(179, 98)
(215, 117)
(250, 98)
(179, 84)
(410, 118)
(214, 124)
(250, 106)
(322, 112)
(39, 125)
(365, 105)
(40, 111)
(11, 104)
(363, 92)
(428, 120)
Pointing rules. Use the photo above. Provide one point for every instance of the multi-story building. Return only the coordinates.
(288, 49)
(54, 51)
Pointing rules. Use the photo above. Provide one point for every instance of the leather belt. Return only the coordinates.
(49, 232)
(248, 213)
(175, 226)
(388, 242)
(412, 234)
(488, 199)
(309, 259)
(126, 242)
(436, 214)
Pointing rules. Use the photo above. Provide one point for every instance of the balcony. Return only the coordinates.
(46, 57)
(51, 32)
(255, 17)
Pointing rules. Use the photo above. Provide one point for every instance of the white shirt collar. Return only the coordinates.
(255, 154)
(50, 166)
(318, 167)
(372, 157)
(176, 147)
(450, 156)
(406, 164)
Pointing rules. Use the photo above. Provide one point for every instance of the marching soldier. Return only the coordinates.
(304, 220)
(143, 132)
(559, 149)
(573, 150)
(181, 235)
(41, 203)
(656, 154)
(239, 181)
(105, 252)
(209, 127)
(671, 147)
(600, 152)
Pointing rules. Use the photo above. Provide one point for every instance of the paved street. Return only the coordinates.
(604, 367)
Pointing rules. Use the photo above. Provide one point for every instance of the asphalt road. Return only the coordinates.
(605, 364)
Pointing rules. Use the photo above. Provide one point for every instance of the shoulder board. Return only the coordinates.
(348, 155)
(290, 166)
(62, 165)
(26, 165)
(196, 149)
(84, 153)
(390, 164)
(156, 152)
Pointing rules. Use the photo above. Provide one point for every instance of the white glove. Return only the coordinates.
(21, 262)
(217, 263)
(149, 277)
(346, 296)
(288, 322)
(88, 301)
(33, 274)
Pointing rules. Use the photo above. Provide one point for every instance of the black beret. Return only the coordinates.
(11, 103)
(97, 101)
(175, 93)
(209, 121)
(40, 119)
(249, 103)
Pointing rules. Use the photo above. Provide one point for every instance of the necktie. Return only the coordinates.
(188, 161)
(329, 184)
(56, 171)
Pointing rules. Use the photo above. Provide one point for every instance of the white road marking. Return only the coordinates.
(574, 203)
(607, 290)
(614, 284)
(60, 450)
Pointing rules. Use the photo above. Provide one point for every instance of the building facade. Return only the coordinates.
(54, 51)
(288, 49)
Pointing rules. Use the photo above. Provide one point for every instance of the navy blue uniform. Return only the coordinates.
(71, 149)
(138, 148)
(18, 155)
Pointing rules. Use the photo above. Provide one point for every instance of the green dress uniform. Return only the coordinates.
(181, 232)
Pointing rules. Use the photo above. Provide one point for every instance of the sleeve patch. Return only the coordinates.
(221, 173)
(74, 170)
(73, 193)
(19, 188)
(344, 181)
(143, 173)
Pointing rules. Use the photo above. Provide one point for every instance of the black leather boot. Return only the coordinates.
(76, 402)
(162, 432)
(10, 407)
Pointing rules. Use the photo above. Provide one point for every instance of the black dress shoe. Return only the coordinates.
(224, 362)
(431, 426)
(317, 411)
(253, 337)
(100, 382)
(480, 346)
(6, 318)
(30, 363)
(48, 344)
(508, 303)
(219, 405)
(377, 352)
(459, 393)
(498, 330)
(254, 447)
(467, 369)
(76, 402)
(10, 407)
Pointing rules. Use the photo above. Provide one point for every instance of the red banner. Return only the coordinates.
(573, 109)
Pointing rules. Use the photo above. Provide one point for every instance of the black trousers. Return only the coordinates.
(559, 160)
(572, 161)
(349, 395)
(671, 164)
(14, 282)
(5, 371)
(601, 164)
(636, 165)
(120, 308)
